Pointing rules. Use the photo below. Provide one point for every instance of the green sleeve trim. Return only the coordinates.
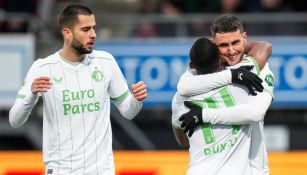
(256, 65)
(198, 103)
(21, 96)
(176, 127)
(121, 97)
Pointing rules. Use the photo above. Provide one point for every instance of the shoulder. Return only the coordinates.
(267, 75)
(97, 54)
(51, 59)
(247, 61)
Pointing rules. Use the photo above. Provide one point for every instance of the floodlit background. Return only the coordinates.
(151, 40)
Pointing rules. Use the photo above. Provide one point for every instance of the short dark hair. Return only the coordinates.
(69, 14)
(226, 23)
(204, 56)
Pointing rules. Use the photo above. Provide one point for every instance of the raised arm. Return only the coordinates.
(260, 50)
(130, 105)
(190, 84)
(253, 111)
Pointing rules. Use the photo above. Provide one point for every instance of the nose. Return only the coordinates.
(231, 50)
(93, 33)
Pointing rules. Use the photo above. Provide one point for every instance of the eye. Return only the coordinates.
(85, 29)
(236, 42)
(223, 45)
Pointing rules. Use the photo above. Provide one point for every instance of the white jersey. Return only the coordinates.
(258, 157)
(258, 153)
(241, 159)
(77, 135)
(216, 149)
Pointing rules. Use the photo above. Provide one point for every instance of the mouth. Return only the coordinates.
(91, 44)
(232, 57)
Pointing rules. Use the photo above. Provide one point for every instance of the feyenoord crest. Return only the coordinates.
(97, 75)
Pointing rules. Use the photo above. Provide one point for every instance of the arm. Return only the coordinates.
(252, 111)
(21, 111)
(28, 96)
(260, 50)
(190, 85)
(131, 105)
(181, 137)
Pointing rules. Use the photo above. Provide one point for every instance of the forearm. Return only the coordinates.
(252, 111)
(260, 50)
(129, 107)
(189, 85)
(181, 137)
(21, 110)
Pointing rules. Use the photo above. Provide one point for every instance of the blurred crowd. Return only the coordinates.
(15, 15)
(173, 8)
(18, 15)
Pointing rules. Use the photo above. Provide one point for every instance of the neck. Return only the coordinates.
(71, 56)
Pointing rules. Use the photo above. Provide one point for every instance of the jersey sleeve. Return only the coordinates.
(268, 80)
(247, 61)
(118, 88)
(252, 111)
(190, 84)
(177, 111)
(25, 100)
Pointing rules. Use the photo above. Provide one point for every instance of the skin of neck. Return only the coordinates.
(70, 54)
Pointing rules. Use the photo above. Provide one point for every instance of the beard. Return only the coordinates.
(79, 48)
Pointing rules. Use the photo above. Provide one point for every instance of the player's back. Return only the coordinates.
(217, 149)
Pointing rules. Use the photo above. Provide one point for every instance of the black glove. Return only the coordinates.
(243, 76)
(191, 119)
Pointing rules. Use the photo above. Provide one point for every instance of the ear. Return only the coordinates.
(66, 32)
(244, 35)
(191, 65)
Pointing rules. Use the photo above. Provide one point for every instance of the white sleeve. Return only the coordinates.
(190, 84)
(118, 85)
(128, 106)
(176, 107)
(25, 100)
(252, 111)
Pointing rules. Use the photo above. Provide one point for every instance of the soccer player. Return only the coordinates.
(214, 148)
(227, 30)
(77, 84)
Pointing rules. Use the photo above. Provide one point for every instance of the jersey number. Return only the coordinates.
(212, 103)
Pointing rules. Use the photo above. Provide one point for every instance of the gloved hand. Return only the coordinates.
(243, 76)
(191, 119)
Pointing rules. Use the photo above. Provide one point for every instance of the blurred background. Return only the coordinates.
(151, 40)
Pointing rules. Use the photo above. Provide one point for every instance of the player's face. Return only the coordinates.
(84, 34)
(231, 46)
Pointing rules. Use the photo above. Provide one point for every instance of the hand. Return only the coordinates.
(191, 119)
(41, 84)
(139, 90)
(243, 76)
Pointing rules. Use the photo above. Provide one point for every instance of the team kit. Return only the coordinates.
(213, 112)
